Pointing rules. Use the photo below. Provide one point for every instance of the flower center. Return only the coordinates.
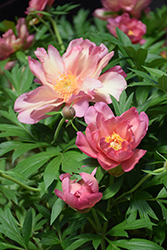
(115, 141)
(66, 85)
(130, 33)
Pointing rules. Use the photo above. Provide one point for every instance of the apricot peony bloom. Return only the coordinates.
(113, 140)
(73, 79)
(81, 195)
(132, 27)
(133, 7)
(10, 43)
(39, 5)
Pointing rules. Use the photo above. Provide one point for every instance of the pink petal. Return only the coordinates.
(34, 104)
(88, 200)
(139, 124)
(37, 70)
(90, 181)
(105, 162)
(113, 84)
(52, 63)
(84, 146)
(99, 107)
(129, 164)
(59, 194)
(80, 106)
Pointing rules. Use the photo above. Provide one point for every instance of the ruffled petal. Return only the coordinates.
(84, 146)
(129, 164)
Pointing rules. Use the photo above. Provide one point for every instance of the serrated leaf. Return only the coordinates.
(56, 210)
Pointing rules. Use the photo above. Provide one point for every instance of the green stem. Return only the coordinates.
(96, 220)
(58, 130)
(19, 182)
(139, 183)
(48, 27)
(53, 22)
(93, 224)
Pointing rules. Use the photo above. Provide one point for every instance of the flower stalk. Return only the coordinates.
(10, 178)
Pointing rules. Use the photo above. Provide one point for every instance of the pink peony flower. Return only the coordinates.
(81, 195)
(10, 43)
(38, 5)
(113, 140)
(132, 27)
(73, 79)
(133, 7)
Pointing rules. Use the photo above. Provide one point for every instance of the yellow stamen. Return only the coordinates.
(66, 85)
(130, 33)
(115, 141)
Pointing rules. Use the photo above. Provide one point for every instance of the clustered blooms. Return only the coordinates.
(10, 43)
(73, 79)
(81, 195)
(113, 140)
(127, 22)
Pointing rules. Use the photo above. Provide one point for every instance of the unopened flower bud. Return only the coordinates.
(68, 112)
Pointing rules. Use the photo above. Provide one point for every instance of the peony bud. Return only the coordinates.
(68, 112)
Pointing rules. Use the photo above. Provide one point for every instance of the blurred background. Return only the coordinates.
(9, 9)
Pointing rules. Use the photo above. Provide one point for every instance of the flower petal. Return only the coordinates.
(133, 160)
(84, 146)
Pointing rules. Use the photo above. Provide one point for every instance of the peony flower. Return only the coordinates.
(10, 43)
(111, 7)
(132, 27)
(38, 5)
(113, 140)
(73, 79)
(81, 195)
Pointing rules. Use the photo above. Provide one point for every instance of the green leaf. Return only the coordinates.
(27, 227)
(4, 246)
(116, 106)
(162, 81)
(9, 226)
(112, 190)
(162, 193)
(44, 211)
(28, 166)
(12, 130)
(123, 37)
(155, 72)
(119, 230)
(71, 161)
(52, 171)
(24, 147)
(138, 244)
(56, 210)
(7, 146)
